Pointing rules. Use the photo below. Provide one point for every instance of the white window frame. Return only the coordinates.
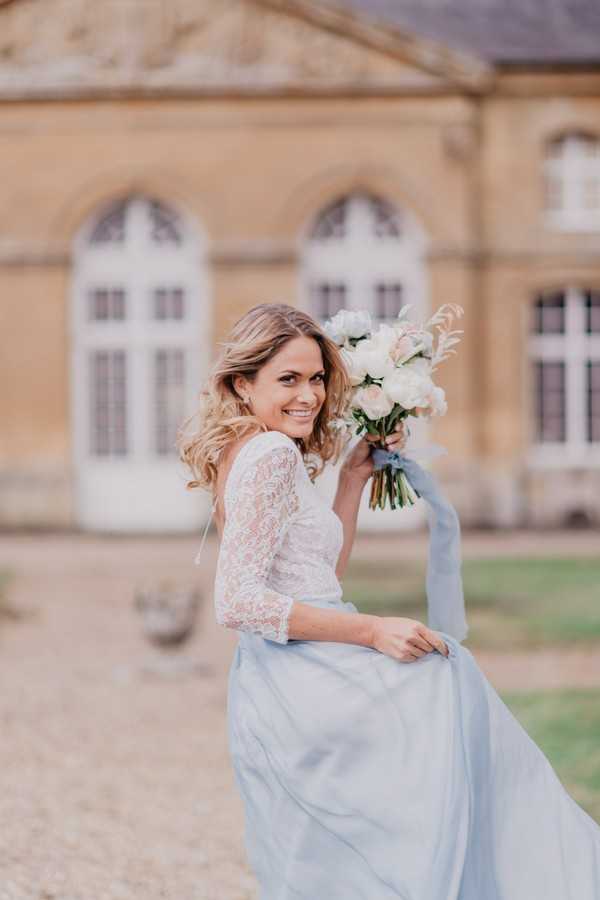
(574, 348)
(568, 165)
(139, 267)
(361, 259)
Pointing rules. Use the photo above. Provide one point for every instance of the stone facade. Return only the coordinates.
(249, 118)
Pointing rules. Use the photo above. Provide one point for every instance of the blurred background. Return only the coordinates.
(166, 166)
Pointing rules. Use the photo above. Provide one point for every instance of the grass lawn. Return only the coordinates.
(511, 603)
(566, 726)
(7, 611)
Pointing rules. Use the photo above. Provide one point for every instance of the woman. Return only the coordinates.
(373, 757)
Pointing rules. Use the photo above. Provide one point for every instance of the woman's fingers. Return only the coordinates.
(438, 643)
(397, 437)
(421, 642)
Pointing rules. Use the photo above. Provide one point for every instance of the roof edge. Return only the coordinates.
(461, 68)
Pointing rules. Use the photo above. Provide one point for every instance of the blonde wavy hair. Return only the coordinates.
(223, 417)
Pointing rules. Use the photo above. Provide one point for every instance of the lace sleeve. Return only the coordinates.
(258, 514)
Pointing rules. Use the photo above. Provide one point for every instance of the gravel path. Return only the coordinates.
(115, 783)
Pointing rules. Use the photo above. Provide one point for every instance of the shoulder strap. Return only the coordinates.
(199, 553)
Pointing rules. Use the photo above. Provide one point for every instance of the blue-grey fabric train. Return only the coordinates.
(363, 777)
(445, 597)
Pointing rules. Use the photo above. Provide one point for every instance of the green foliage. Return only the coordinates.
(566, 726)
(511, 603)
(7, 611)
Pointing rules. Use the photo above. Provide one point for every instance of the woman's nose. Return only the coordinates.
(307, 395)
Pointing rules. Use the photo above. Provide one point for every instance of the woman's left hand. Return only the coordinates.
(359, 463)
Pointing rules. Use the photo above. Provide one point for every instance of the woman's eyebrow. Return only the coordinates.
(291, 372)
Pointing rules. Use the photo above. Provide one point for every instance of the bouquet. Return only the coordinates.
(391, 372)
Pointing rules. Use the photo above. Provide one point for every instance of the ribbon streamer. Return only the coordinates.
(445, 597)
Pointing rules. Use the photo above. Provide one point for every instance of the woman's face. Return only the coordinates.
(289, 389)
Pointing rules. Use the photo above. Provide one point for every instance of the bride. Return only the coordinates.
(373, 757)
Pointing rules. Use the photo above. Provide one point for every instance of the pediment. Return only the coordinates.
(81, 47)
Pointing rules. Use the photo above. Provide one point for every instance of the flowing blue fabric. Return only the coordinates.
(445, 597)
(364, 777)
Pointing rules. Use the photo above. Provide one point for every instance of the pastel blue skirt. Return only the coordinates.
(367, 778)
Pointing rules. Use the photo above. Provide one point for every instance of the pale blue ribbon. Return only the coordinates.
(445, 597)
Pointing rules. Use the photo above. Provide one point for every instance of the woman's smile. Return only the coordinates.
(300, 413)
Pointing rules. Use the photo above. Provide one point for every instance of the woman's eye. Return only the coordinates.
(286, 378)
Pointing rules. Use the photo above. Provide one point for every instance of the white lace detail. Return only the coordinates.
(280, 543)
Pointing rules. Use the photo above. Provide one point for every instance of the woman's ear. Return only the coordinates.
(240, 385)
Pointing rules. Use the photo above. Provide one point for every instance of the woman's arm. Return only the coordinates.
(354, 475)
(346, 505)
(400, 638)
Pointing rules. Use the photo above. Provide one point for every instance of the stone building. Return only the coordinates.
(166, 164)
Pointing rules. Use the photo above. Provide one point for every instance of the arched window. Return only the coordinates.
(565, 356)
(361, 252)
(572, 182)
(140, 328)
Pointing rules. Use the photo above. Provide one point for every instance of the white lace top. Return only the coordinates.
(280, 543)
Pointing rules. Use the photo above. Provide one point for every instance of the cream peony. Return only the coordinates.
(350, 323)
(373, 401)
(354, 363)
(401, 349)
(408, 387)
(334, 333)
(437, 402)
(373, 354)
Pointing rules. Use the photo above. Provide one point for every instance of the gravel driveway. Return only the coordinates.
(115, 781)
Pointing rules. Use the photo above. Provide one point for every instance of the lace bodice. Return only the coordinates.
(280, 543)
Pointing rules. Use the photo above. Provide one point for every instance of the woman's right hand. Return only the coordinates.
(405, 639)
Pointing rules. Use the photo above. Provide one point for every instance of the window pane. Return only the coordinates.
(572, 178)
(549, 314)
(111, 227)
(386, 219)
(388, 300)
(332, 222)
(165, 226)
(108, 408)
(550, 401)
(328, 298)
(593, 401)
(553, 193)
(169, 385)
(106, 304)
(168, 303)
(592, 312)
(591, 192)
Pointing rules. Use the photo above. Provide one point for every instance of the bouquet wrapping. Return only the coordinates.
(391, 370)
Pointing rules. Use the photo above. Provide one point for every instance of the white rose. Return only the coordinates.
(437, 402)
(358, 323)
(408, 387)
(351, 323)
(354, 363)
(427, 339)
(375, 361)
(401, 349)
(332, 332)
(421, 365)
(373, 401)
(385, 337)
